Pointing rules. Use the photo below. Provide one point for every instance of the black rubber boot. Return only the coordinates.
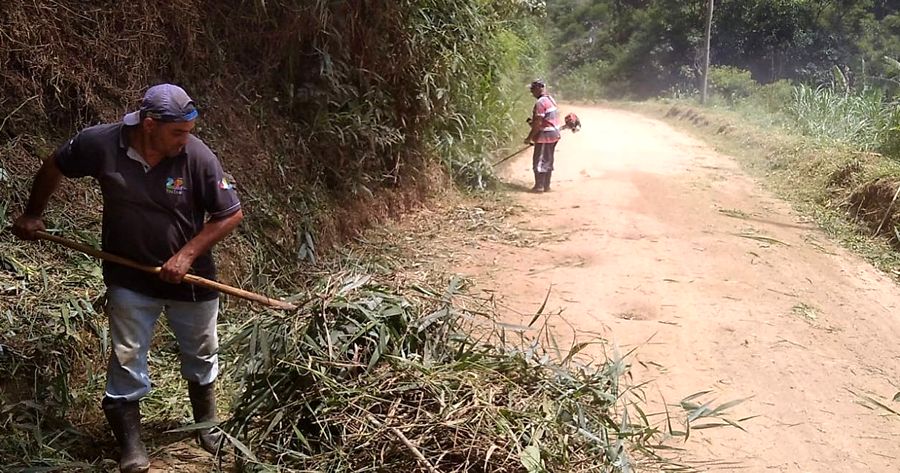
(203, 403)
(538, 182)
(124, 418)
(547, 176)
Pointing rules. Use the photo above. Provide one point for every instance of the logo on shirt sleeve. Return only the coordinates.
(225, 184)
(175, 185)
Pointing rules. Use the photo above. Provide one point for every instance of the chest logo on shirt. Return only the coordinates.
(175, 185)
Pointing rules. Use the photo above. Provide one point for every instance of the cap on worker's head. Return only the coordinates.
(166, 103)
(537, 84)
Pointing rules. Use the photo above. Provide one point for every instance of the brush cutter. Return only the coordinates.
(572, 122)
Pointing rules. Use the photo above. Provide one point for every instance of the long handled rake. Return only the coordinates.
(188, 278)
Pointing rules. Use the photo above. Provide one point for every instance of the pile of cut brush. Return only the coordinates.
(378, 379)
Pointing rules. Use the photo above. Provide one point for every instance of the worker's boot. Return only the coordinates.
(203, 403)
(124, 418)
(547, 176)
(538, 182)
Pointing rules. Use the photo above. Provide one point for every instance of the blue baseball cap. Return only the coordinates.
(166, 103)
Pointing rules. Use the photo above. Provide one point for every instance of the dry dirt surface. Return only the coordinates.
(654, 240)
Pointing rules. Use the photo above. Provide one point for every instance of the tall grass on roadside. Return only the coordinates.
(380, 86)
(864, 120)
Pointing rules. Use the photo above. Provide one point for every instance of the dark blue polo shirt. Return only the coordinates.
(151, 213)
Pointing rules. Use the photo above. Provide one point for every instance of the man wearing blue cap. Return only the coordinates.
(166, 202)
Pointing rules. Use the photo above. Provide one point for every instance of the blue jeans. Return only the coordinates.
(132, 317)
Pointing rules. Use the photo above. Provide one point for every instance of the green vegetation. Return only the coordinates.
(805, 91)
(862, 119)
(652, 47)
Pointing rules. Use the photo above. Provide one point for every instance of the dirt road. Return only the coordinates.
(654, 234)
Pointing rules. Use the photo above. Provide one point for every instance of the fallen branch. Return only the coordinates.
(415, 451)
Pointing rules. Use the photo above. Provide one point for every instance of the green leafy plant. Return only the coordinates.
(732, 83)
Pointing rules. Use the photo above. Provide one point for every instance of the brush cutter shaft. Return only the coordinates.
(188, 278)
(510, 156)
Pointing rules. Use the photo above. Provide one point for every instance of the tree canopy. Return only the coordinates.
(644, 47)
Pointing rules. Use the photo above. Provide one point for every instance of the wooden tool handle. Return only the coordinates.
(188, 278)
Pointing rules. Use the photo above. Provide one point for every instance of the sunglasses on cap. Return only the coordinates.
(169, 117)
